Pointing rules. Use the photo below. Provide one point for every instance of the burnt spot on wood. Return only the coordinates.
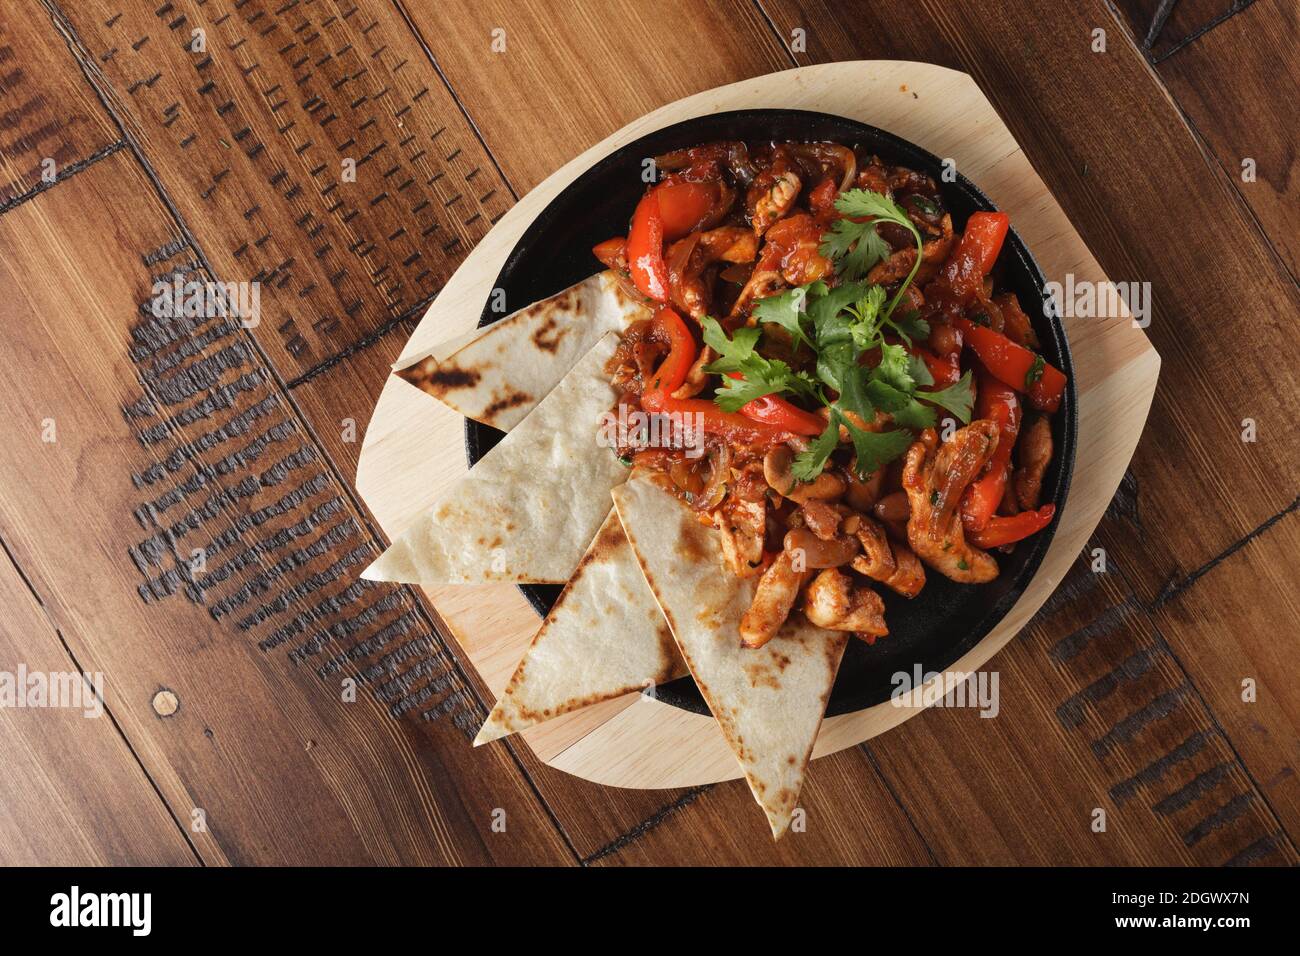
(240, 514)
(1127, 729)
(1124, 506)
(1071, 713)
(1161, 767)
(333, 105)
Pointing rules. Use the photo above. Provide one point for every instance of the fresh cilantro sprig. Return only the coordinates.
(874, 449)
(840, 325)
(756, 375)
(855, 243)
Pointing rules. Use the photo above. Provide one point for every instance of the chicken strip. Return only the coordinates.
(742, 525)
(1033, 452)
(833, 601)
(775, 595)
(893, 565)
(934, 477)
(771, 197)
(899, 264)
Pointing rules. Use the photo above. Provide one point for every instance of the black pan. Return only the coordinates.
(947, 619)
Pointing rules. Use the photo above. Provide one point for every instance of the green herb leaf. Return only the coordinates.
(915, 415)
(911, 326)
(958, 399)
(1035, 372)
(758, 376)
(732, 352)
(809, 464)
(857, 204)
(786, 310)
(877, 449)
(865, 312)
(920, 371)
(864, 202)
(855, 247)
(895, 368)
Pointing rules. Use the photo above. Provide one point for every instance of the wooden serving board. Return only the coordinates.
(414, 446)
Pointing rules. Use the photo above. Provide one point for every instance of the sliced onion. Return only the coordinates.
(679, 259)
(719, 472)
(831, 154)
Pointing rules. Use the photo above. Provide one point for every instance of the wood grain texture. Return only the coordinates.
(1249, 59)
(1089, 704)
(170, 438)
(1187, 771)
(72, 793)
(1161, 28)
(254, 138)
(334, 397)
(1238, 623)
(849, 818)
(46, 112)
(570, 74)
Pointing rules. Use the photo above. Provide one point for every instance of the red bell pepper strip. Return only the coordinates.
(945, 370)
(1008, 530)
(684, 206)
(775, 410)
(995, 402)
(976, 253)
(612, 252)
(665, 213)
(1015, 365)
(645, 249)
(668, 328)
(728, 425)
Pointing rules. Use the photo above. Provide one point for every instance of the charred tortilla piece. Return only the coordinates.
(769, 701)
(498, 375)
(604, 638)
(527, 510)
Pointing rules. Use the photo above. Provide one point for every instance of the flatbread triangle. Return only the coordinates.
(768, 701)
(605, 637)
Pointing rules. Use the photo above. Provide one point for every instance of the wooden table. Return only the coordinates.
(176, 504)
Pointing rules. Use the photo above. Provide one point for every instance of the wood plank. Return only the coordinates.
(171, 438)
(1088, 705)
(251, 138)
(46, 111)
(570, 75)
(1238, 622)
(1221, 363)
(1249, 59)
(72, 793)
(850, 818)
(1161, 29)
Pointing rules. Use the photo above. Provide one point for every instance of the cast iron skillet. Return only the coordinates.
(946, 619)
